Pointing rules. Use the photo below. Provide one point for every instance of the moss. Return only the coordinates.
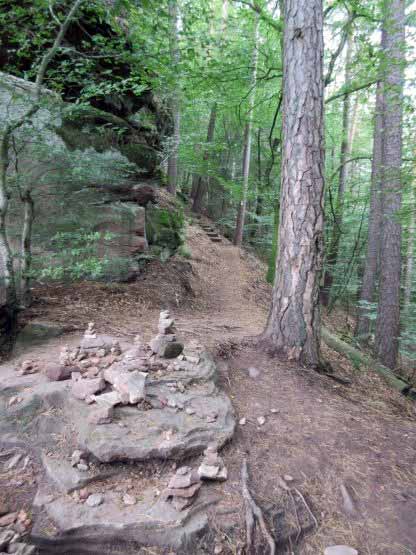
(165, 227)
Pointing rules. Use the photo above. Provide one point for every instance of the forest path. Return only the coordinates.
(230, 304)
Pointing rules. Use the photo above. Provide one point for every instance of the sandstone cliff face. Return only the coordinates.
(90, 198)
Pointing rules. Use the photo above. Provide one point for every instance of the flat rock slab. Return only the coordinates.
(63, 476)
(151, 521)
(158, 433)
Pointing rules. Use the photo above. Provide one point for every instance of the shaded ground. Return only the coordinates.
(323, 434)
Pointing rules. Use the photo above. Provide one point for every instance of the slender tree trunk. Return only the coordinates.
(8, 297)
(332, 256)
(388, 313)
(26, 248)
(293, 326)
(203, 181)
(175, 100)
(369, 282)
(241, 214)
(407, 296)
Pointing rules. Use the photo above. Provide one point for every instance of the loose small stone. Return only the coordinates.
(76, 457)
(95, 499)
(243, 421)
(129, 499)
(288, 478)
(82, 467)
(261, 420)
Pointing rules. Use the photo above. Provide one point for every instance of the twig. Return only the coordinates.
(253, 512)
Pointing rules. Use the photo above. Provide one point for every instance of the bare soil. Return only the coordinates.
(323, 434)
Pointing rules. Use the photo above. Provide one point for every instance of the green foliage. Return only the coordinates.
(73, 256)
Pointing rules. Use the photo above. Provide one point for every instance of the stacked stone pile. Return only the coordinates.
(183, 488)
(212, 466)
(165, 344)
(103, 376)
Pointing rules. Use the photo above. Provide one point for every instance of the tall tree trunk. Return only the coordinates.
(374, 221)
(293, 326)
(388, 313)
(346, 146)
(203, 181)
(241, 214)
(175, 100)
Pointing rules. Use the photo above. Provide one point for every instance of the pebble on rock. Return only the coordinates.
(129, 499)
(261, 420)
(95, 499)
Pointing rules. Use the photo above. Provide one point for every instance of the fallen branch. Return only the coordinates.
(345, 349)
(253, 513)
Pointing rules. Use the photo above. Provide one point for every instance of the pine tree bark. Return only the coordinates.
(388, 313)
(175, 101)
(241, 214)
(293, 326)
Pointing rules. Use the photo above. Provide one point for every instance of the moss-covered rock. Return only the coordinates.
(165, 226)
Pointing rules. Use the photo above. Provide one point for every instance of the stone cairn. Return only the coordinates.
(165, 343)
(184, 486)
(212, 466)
(104, 376)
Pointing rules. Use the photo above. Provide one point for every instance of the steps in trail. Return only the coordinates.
(216, 239)
(212, 234)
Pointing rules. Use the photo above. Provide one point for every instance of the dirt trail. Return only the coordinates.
(325, 435)
(230, 305)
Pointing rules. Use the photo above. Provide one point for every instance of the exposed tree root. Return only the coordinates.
(253, 514)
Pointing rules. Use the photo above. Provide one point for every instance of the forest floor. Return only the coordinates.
(326, 436)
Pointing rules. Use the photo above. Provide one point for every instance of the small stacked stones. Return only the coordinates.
(183, 488)
(165, 343)
(212, 466)
(90, 331)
